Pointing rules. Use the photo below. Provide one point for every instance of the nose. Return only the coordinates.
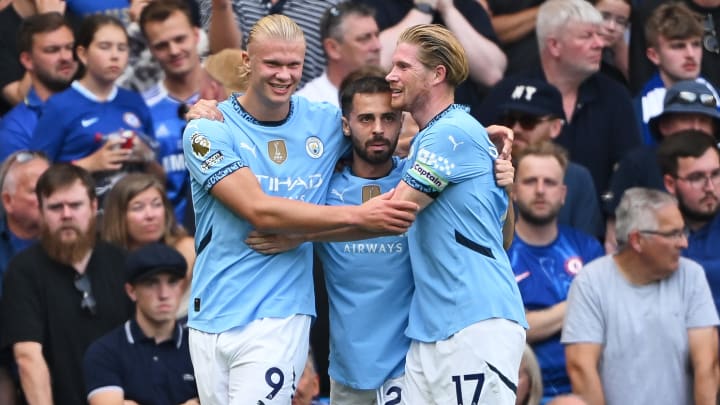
(66, 211)
(392, 76)
(174, 48)
(598, 41)
(682, 242)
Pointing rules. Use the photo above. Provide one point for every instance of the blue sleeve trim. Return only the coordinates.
(427, 190)
(221, 174)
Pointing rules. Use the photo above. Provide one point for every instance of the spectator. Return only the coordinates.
(20, 224)
(514, 23)
(224, 74)
(545, 257)
(146, 360)
(89, 124)
(468, 21)
(600, 127)
(674, 36)
(14, 84)
(308, 387)
(689, 105)
(616, 18)
(232, 21)
(173, 42)
(641, 68)
(624, 309)
(46, 52)
(349, 36)
(533, 109)
(63, 293)
(529, 388)
(691, 172)
(137, 213)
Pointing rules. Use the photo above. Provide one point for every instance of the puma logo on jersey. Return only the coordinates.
(454, 142)
(340, 195)
(243, 145)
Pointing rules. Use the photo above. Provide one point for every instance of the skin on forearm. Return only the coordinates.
(223, 31)
(512, 27)
(34, 373)
(487, 61)
(545, 323)
(582, 366)
(703, 344)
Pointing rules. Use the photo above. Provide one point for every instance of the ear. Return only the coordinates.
(556, 127)
(553, 46)
(440, 73)
(652, 54)
(93, 206)
(332, 48)
(81, 53)
(6, 200)
(26, 60)
(345, 126)
(670, 184)
(130, 291)
(564, 193)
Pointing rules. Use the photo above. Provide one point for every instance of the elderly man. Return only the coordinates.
(640, 324)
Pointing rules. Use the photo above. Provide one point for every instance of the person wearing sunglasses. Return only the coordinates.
(533, 109)
(674, 35)
(690, 165)
(640, 325)
(146, 360)
(62, 293)
(688, 106)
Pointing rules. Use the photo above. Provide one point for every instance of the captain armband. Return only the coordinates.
(425, 179)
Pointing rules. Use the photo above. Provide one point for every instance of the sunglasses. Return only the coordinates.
(82, 284)
(710, 40)
(526, 121)
(689, 97)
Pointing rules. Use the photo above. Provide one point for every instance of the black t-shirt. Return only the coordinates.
(10, 67)
(41, 304)
(523, 53)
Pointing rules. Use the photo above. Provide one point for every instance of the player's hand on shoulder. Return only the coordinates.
(384, 215)
(502, 137)
(204, 109)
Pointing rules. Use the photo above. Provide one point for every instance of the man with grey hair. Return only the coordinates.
(600, 123)
(644, 314)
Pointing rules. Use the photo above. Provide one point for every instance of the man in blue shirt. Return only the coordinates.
(546, 256)
(172, 40)
(690, 163)
(146, 360)
(466, 317)
(264, 168)
(46, 51)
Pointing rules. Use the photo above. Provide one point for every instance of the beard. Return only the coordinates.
(68, 252)
(692, 215)
(374, 158)
(53, 83)
(526, 213)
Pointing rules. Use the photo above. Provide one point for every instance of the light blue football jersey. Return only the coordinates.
(369, 284)
(232, 284)
(461, 271)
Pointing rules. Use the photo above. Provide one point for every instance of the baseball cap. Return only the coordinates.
(689, 97)
(152, 259)
(532, 96)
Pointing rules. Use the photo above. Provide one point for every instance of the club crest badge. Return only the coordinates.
(314, 147)
(370, 191)
(131, 119)
(277, 151)
(200, 145)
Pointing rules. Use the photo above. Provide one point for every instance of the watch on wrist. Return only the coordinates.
(425, 8)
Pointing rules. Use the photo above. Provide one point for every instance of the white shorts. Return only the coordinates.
(259, 363)
(478, 365)
(389, 394)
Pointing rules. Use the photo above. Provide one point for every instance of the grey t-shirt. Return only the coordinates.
(643, 329)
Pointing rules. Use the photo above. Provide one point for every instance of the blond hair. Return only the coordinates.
(277, 27)
(438, 46)
(228, 68)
